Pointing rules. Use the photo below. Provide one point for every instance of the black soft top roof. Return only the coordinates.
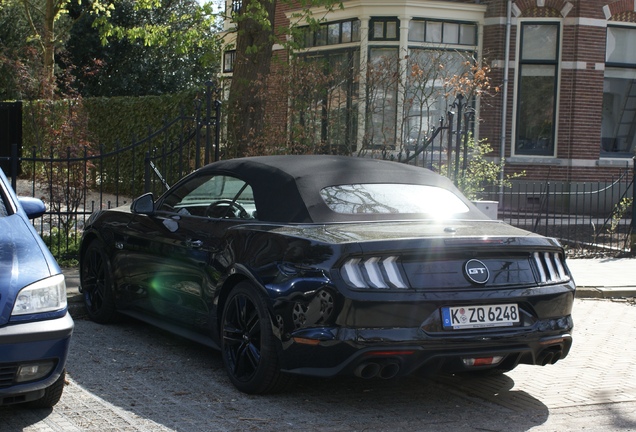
(287, 188)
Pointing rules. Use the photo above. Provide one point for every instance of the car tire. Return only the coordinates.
(248, 343)
(97, 285)
(52, 394)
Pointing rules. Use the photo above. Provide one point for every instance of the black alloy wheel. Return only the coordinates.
(97, 286)
(248, 343)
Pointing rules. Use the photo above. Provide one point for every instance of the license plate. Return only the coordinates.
(470, 317)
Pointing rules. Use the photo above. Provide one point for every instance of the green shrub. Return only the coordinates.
(64, 246)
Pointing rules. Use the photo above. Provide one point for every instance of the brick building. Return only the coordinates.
(566, 111)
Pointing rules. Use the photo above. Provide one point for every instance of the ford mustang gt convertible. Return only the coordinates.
(330, 265)
(35, 326)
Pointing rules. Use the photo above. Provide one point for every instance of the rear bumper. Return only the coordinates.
(386, 353)
(29, 343)
(406, 331)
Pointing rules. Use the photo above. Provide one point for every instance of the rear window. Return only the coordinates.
(391, 198)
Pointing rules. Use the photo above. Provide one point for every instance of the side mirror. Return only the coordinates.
(33, 207)
(144, 204)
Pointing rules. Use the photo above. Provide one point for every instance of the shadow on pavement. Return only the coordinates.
(130, 376)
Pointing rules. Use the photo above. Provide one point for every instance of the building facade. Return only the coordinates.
(562, 97)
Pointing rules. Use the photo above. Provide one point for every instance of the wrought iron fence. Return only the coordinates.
(589, 218)
(76, 184)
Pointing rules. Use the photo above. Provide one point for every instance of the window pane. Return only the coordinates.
(325, 116)
(426, 100)
(309, 38)
(433, 31)
(382, 97)
(416, 31)
(334, 34)
(467, 34)
(228, 61)
(539, 42)
(620, 45)
(451, 33)
(618, 125)
(321, 36)
(392, 199)
(391, 30)
(346, 32)
(196, 196)
(356, 31)
(378, 30)
(535, 117)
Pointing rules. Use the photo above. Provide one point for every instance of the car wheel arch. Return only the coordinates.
(228, 285)
(104, 310)
(89, 237)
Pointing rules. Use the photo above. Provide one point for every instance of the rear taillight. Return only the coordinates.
(550, 267)
(374, 272)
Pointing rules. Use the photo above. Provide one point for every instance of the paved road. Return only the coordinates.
(131, 377)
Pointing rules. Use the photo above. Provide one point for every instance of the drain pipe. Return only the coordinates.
(504, 96)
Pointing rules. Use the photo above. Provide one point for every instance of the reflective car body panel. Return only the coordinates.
(365, 292)
(29, 335)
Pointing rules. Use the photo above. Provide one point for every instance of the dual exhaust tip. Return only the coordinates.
(373, 369)
(549, 356)
(390, 369)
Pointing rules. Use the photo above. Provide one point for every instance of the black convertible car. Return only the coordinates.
(329, 265)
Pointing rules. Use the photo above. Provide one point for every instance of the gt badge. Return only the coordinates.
(476, 272)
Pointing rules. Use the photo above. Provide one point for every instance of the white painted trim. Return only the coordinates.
(567, 8)
(574, 21)
(615, 162)
(515, 10)
(408, 9)
(497, 21)
(572, 163)
(587, 22)
(579, 65)
(534, 160)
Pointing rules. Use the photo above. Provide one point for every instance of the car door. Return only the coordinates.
(171, 253)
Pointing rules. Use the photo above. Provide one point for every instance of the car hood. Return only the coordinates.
(22, 261)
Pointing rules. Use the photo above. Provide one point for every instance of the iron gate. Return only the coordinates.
(77, 182)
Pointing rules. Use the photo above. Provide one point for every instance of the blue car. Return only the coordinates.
(35, 326)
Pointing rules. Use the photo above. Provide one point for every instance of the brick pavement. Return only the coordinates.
(130, 377)
(119, 389)
(600, 369)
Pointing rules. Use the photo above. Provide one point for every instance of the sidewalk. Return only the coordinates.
(604, 277)
(594, 277)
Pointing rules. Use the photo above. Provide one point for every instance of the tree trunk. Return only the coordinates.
(48, 42)
(254, 44)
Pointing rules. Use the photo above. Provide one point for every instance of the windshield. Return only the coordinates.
(391, 198)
